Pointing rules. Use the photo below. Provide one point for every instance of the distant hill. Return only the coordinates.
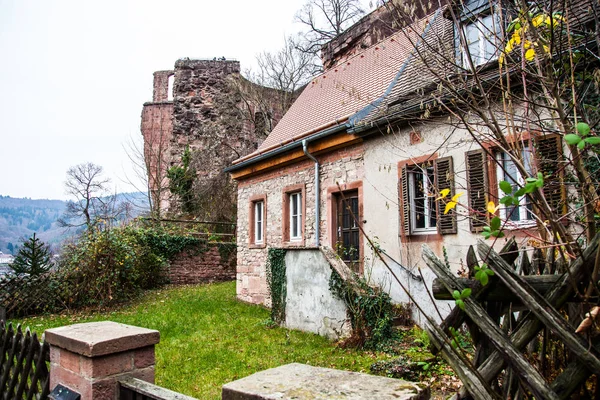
(21, 217)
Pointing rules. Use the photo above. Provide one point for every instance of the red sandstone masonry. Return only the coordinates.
(91, 358)
(208, 266)
(343, 166)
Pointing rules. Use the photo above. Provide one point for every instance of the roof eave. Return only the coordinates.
(288, 147)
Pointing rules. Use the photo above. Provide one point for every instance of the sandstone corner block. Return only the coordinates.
(100, 338)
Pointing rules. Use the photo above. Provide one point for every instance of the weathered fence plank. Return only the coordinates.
(499, 292)
(456, 317)
(511, 355)
(539, 306)
(23, 358)
(529, 325)
(476, 386)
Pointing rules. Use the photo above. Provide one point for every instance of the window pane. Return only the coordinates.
(258, 221)
(295, 207)
(432, 213)
(295, 227)
(489, 37)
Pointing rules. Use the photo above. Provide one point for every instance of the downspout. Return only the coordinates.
(317, 192)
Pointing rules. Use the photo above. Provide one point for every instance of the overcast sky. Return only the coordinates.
(74, 75)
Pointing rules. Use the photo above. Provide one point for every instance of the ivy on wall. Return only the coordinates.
(276, 281)
(370, 309)
(226, 250)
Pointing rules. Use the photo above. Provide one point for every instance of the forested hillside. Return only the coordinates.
(21, 217)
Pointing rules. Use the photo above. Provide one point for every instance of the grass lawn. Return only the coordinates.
(208, 338)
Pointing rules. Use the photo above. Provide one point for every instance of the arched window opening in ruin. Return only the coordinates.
(171, 80)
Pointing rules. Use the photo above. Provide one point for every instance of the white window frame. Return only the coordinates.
(295, 199)
(525, 217)
(259, 224)
(487, 37)
(428, 192)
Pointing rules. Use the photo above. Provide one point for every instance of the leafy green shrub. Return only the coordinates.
(112, 266)
(370, 308)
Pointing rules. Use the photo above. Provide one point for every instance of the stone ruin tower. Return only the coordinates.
(196, 106)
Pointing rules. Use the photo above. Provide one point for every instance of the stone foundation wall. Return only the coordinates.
(343, 166)
(216, 264)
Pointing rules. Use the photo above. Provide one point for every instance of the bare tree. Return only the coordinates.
(325, 20)
(92, 205)
(150, 160)
(264, 95)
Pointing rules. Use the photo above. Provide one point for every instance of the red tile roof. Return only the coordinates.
(337, 93)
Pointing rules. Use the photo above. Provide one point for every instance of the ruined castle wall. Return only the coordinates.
(157, 131)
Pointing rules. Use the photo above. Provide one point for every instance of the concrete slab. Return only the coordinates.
(94, 339)
(304, 382)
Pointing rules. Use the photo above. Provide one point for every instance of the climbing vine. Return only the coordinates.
(275, 269)
(181, 181)
(226, 250)
(370, 308)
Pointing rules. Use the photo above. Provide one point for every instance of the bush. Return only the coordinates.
(370, 310)
(105, 267)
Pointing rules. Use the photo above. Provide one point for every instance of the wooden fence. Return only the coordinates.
(28, 294)
(24, 365)
(516, 322)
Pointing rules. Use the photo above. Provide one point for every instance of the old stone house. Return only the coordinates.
(362, 150)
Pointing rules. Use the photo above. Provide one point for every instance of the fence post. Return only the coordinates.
(90, 358)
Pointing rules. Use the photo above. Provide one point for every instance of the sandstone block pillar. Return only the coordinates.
(91, 358)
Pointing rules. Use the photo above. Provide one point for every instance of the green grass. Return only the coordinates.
(208, 338)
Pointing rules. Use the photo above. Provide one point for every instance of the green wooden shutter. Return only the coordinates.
(477, 188)
(549, 156)
(404, 202)
(444, 179)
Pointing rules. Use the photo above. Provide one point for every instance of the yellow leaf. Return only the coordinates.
(537, 21)
(509, 46)
(456, 196)
(501, 59)
(516, 37)
(449, 206)
(443, 193)
(527, 44)
(530, 54)
(492, 208)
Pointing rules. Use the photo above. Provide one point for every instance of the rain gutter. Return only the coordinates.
(317, 192)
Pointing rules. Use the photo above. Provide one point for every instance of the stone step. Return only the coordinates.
(303, 382)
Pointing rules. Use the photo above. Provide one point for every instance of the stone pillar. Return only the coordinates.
(90, 358)
(161, 86)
